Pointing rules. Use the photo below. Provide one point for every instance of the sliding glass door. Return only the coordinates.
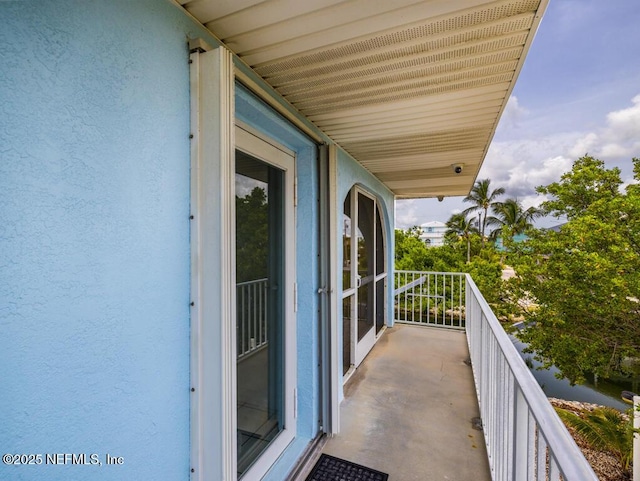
(264, 314)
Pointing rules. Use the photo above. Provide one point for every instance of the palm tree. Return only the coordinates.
(510, 216)
(482, 198)
(462, 228)
(605, 429)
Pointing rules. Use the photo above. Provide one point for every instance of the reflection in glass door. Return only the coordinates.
(347, 301)
(364, 277)
(260, 321)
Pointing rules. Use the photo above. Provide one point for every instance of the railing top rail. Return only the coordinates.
(431, 273)
(555, 433)
(255, 281)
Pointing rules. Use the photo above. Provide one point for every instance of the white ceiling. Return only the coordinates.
(407, 87)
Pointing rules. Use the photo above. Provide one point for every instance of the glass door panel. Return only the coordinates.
(380, 267)
(348, 285)
(366, 263)
(364, 277)
(346, 244)
(260, 319)
(346, 333)
(380, 304)
(380, 272)
(365, 309)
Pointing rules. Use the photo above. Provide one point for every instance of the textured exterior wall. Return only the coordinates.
(94, 237)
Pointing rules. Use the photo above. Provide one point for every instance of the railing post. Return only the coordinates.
(636, 439)
(521, 443)
(251, 329)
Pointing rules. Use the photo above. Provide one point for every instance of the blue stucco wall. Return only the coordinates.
(255, 113)
(94, 237)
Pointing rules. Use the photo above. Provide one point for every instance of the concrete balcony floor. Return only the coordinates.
(408, 409)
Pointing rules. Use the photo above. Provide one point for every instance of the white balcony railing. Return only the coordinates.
(251, 313)
(525, 438)
(430, 298)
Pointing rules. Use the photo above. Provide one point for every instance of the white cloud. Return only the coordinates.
(625, 124)
(584, 145)
(614, 150)
(521, 165)
(526, 177)
(410, 212)
(513, 114)
(533, 200)
(621, 137)
(406, 213)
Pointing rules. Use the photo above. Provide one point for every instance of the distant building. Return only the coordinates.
(433, 233)
(523, 237)
(556, 228)
(516, 238)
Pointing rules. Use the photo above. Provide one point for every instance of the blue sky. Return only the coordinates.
(578, 93)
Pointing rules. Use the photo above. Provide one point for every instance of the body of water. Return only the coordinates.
(604, 391)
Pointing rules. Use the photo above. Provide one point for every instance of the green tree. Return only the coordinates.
(579, 189)
(411, 253)
(482, 198)
(585, 278)
(252, 236)
(510, 219)
(487, 274)
(459, 226)
(604, 429)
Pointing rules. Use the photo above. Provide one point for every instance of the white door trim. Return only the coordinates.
(268, 151)
(212, 363)
(360, 348)
(335, 275)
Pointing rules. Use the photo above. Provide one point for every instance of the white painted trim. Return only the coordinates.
(388, 266)
(195, 357)
(256, 133)
(279, 156)
(348, 375)
(213, 442)
(360, 348)
(336, 283)
(255, 144)
(227, 272)
(364, 345)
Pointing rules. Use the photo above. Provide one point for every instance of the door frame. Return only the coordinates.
(361, 348)
(255, 144)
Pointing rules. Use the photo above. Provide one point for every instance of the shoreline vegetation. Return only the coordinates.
(604, 463)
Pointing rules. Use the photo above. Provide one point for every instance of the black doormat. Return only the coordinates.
(329, 468)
